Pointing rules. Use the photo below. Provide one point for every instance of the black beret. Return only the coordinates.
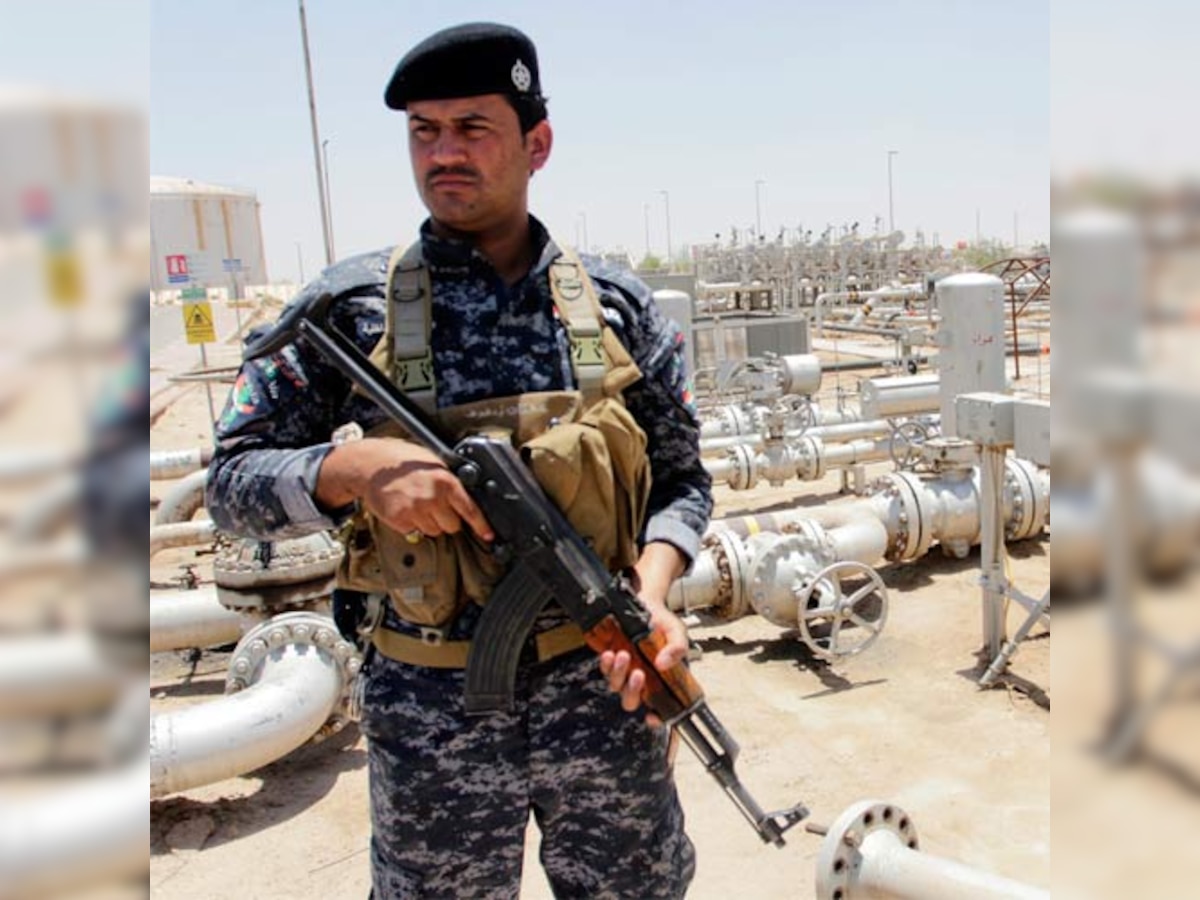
(466, 61)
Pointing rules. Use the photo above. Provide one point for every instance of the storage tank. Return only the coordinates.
(69, 164)
(204, 235)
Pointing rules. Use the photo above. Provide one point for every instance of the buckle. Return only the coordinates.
(431, 637)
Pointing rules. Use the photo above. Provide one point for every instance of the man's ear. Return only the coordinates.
(539, 139)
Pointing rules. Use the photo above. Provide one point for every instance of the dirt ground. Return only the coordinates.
(903, 722)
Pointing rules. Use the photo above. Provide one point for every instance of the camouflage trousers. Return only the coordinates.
(451, 794)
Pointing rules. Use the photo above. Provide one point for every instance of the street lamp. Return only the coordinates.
(328, 196)
(312, 115)
(758, 208)
(891, 205)
(667, 204)
(646, 216)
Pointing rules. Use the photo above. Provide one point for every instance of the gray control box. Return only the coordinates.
(985, 418)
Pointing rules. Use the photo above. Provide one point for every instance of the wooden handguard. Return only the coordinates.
(667, 694)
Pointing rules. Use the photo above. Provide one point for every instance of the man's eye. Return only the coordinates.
(423, 133)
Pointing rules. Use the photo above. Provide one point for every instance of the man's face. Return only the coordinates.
(471, 162)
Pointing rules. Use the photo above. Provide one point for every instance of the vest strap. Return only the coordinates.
(579, 308)
(406, 353)
(409, 325)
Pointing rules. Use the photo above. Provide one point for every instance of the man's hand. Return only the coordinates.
(660, 564)
(402, 484)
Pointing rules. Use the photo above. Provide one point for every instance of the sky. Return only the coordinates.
(726, 113)
(700, 100)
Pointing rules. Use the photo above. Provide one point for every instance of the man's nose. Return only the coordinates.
(448, 148)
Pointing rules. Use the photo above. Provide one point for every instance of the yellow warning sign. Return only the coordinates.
(198, 322)
(65, 278)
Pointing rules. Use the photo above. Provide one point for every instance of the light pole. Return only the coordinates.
(646, 216)
(758, 208)
(300, 262)
(316, 138)
(667, 205)
(891, 204)
(328, 196)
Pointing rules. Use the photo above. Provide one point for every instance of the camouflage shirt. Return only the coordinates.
(488, 339)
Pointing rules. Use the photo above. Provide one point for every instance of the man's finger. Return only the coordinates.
(464, 506)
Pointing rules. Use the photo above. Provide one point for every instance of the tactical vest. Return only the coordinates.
(583, 446)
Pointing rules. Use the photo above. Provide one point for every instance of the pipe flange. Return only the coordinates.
(820, 598)
(913, 517)
(1027, 504)
(840, 858)
(276, 575)
(745, 467)
(244, 563)
(733, 421)
(809, 457)
(732, 562)
(304, 629)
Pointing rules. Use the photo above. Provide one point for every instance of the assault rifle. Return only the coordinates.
(544, 558)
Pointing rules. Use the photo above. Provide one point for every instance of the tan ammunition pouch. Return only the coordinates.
(583, 447)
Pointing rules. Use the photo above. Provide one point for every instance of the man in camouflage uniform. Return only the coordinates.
(451, 794)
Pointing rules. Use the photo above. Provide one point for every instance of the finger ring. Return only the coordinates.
(414, 537)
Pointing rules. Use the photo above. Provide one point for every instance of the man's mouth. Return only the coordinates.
(451, 179)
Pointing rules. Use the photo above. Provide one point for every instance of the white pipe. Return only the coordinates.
(57, 673)
(890, 869)
(184, 499)
(863, 539)
(846, 431)
(871, 852)
(296, 693)
(39, 559)
(28, 464)
(737, 419)
(86, 835)
(851, 453)
(52, 508)
(900, 521)
(181, 619)
(169, 464)
(181, 534)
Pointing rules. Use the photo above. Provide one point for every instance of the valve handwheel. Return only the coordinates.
(864, 610)
(904, 445)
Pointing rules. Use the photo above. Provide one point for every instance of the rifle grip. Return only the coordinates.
(667, 694)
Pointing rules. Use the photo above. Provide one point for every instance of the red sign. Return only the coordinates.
(177, 268)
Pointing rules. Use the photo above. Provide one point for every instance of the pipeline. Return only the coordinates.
(872, 852)
(183, 500)
(806, 458)
(289, 678)
(1165, 525)
(880, 398)
(52, 509)
(830, 434)
(181, 534)
(183, 619)
(93, 833)
(166, 465)
(28, 465)
(745, 419)
(56, 674)
(792, 567)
